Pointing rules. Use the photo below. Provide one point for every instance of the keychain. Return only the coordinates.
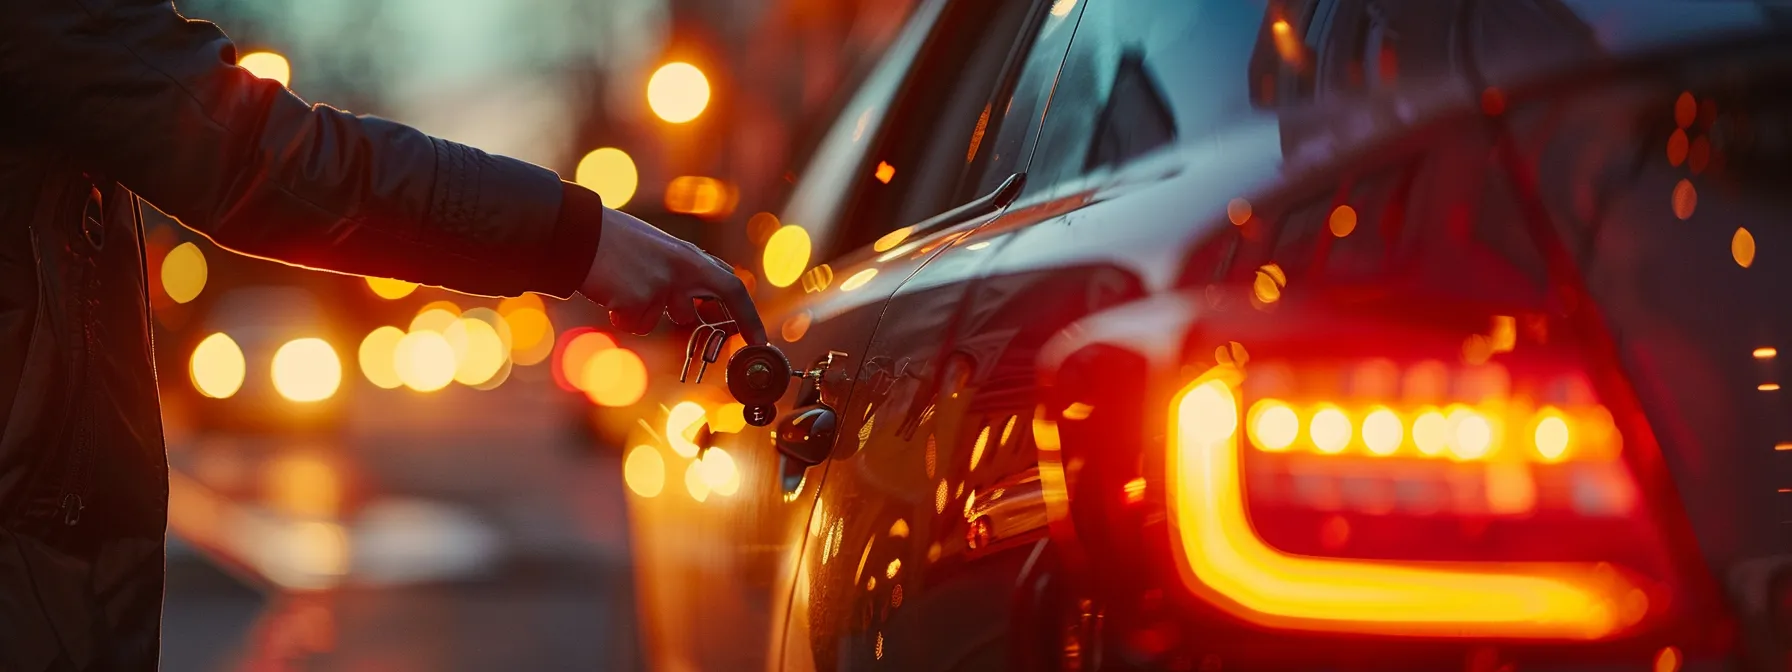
(757, 375)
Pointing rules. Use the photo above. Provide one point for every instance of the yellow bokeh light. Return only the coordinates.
(1471, 435)
(267, 65)
(387, 288)
(644, 471)
(217, 367)
(1330, 430)
(1382, 432)
(858, 280)
(184, 272)
(885, 172)
(614, 377)
(694, 483)
(482, 355)
(425, 361)
(1551, 437)
(516, 303)
(434, 319)
(307, 370)
(1274, 426)
(682, 424)
(678, 92)
(1267, 286)
(531, 336)
(611, 173)
(1742, 248)
(719, 472)
(1062, 7)
(378, 356)
(786, 255)
(892, 239)
(729, 418)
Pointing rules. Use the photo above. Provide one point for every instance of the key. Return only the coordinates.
(757, 375)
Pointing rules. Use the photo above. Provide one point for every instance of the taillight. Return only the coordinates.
(1375, 497)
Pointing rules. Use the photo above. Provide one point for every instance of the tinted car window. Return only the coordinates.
(1144, 74)
(1009, 137)
(922, 156)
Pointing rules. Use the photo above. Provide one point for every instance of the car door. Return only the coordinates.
(961, 140)
(717, 545)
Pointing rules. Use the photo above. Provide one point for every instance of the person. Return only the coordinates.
(109, 101)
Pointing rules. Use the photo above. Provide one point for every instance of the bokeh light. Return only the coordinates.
(217, 366)
(267, 65)
(307, 370)
(611, 173)
(425, 361)
(694, 482)
(1238, 211)
(719, 472)
(728, 418)
(678, 92)
(892, 239)
(858, 280)
(786, 255)
(644, 471)
(579, 345)
(683, 422)
(1430, 431)
(481, 354)
(531, 336)
(615, 377)
(1742, 247)
(436, 319)
(378, 357)
(184, 272)
(761, 226)
(1343, 221)
(387, 288)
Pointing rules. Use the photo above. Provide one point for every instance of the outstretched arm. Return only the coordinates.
(155, 101)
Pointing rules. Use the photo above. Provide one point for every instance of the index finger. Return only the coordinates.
(739, 304)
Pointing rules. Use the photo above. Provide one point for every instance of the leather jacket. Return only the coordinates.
(103, 103)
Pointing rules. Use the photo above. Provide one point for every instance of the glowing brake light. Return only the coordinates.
(1227, 560)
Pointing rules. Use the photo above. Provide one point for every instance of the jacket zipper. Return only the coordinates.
(72, 503)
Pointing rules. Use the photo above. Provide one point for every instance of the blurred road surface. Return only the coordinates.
(460, 530)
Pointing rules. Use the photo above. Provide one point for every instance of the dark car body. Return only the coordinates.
(1067, 259)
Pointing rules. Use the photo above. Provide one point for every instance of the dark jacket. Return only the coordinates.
(103, 102)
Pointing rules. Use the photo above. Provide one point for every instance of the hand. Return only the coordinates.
(640, 273)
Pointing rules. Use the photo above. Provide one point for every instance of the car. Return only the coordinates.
(1262, 334)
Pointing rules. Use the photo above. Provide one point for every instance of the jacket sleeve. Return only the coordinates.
(155, 101)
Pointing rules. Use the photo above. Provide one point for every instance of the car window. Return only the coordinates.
(1009, 139)
(923, 153)
(1144, 74)
(1437, 219)
(820, 200)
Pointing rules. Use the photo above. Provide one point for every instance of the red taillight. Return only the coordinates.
(1367, 480)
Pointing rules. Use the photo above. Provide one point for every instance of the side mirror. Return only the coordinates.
(807, 435)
